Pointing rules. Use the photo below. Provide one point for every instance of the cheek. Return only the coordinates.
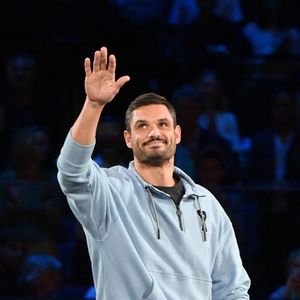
(138, 139)
(132, 142)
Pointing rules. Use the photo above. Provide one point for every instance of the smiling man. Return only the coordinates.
(152, 233)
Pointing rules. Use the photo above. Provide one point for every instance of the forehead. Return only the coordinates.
(151, 112)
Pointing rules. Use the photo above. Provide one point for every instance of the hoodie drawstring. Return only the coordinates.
(154, 212)
(202, 216)
(201, 213)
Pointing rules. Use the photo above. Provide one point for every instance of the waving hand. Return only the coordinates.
(100, 83)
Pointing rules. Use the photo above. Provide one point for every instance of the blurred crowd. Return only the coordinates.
(232, 70)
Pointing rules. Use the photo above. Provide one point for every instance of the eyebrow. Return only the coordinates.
(140, 121)
(159, 120)
(164, 119)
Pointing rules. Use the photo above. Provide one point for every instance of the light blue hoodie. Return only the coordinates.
(136, 245)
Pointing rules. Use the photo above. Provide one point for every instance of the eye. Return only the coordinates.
(141, 126)
(163, 124)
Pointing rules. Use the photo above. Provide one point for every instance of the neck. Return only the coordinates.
(157, 175)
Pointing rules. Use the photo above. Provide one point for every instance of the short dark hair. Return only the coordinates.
(148, 99)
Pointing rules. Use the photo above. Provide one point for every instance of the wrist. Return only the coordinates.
(95, 103)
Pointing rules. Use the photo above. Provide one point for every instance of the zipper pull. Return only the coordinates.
(179, 213)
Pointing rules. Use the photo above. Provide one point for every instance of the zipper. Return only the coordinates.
(179, 213)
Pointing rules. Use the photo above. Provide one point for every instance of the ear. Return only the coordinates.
(177, 134)
(127, 138)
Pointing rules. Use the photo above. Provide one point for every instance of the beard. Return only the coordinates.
(154, 157)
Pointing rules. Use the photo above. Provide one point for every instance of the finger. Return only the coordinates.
(121, 81)
(96, 62)
(87, 67)
(112, 64)
(103, 58)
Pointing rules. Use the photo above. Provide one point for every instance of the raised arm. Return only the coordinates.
(100, 87)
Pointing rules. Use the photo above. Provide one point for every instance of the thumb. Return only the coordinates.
(121, 81)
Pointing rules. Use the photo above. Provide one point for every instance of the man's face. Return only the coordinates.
(152, 138)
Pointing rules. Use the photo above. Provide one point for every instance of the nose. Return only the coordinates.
(154, 132)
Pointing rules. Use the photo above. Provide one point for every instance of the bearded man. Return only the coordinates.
(152, 233)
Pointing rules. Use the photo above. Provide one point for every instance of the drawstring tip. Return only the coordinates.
(158, 234)
(202, 215)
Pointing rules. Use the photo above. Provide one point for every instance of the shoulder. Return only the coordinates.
(196, 190)
(117, 172)
(119, 177)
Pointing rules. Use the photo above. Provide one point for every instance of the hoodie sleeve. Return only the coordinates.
(86, 187)
(230, 279)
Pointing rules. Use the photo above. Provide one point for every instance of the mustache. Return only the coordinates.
(154, 139)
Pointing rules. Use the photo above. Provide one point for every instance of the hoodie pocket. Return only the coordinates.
(181, 286)
(155, 293)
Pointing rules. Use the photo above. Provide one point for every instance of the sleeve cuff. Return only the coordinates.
(75, 153)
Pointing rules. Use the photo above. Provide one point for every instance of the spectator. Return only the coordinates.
(40, 277)
(13, 242)
(27, 97)
(28, 188)
(184, 12)
(213, 34)
(275, 150)
(196, 138)
(199, 34)
(268, 36)
(230, 9)
(215, 115)
(274, 172)
(291, 289)
(211, 172)
(20, 94)
(145, 12)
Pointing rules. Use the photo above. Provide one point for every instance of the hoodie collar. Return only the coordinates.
(191, 188)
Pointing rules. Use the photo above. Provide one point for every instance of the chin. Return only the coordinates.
(155, 160)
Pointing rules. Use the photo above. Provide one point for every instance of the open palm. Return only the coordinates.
(100, 83)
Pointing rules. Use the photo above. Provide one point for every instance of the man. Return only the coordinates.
(152, 233)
